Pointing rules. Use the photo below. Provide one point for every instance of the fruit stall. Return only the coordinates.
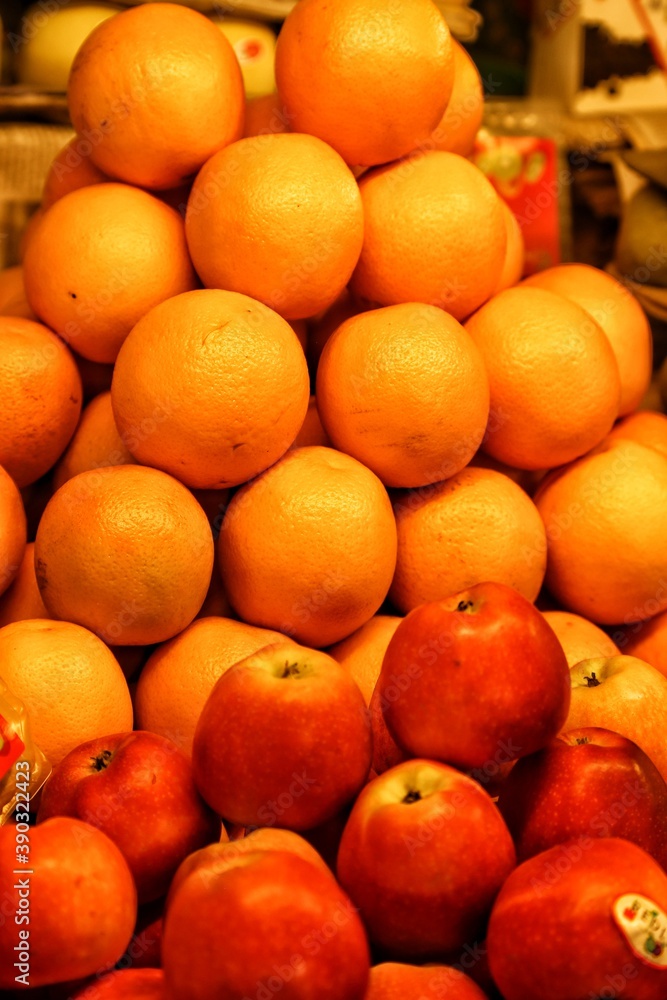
(333, 500)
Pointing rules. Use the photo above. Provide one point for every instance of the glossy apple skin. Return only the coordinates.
(394, 981)
(552, 935)
(630, 698)
(283, 740)
(386, 751)
(269, 918)
(138, 788)
(217, 858)
(423, 855)
(477, 675)
(83, 902)
(587, 783)
(126, 984)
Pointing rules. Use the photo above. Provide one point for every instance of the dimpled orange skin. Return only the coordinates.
(41, 392)
(22, 599)
(619, 314)
(580, 638)
(477, 526)
(645, 427)
(279, 218)
(96, 443)
(71, 169)
(555, 385)
(101, 257)
(607, 533)
(464, 113)
(370, 78)
(404, 390)
(222, 381)
(309, 547)
(433, 232)
(126, 552)
(157, 90)
(68, 679)
(13, 530)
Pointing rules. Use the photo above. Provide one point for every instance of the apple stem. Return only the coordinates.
(102, 760)
(592, 681)
(465, 606)
(412, 797)
(291, 670)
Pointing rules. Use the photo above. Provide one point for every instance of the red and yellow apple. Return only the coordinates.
(138, 789)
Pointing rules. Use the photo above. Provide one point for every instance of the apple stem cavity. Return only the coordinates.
(412, 797)
(465, 606)
(102, 760)
(592, 681)
(291, 670)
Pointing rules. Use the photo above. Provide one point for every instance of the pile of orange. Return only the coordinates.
(314, 302)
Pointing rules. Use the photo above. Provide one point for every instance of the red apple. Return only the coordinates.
(284, 739)
(591, 783)
(269, 923)
(216, 858)
(423, 855)
(138, 788)
(623, 694)
(386, 752)
(126, 984)
(71, 909)
(393, 981)
(474, 679)
(577, 922)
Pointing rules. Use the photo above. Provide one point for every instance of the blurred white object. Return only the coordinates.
(463, 22)
(255, 46)
(45, 46)
(558, 53)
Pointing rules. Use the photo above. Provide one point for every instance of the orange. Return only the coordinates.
(463, 115)
(265, 115)
(40, 389)
(404, 390)
(645, 427)
(179, 676)
(22, 600)
(125, 551)
(646, 640)
(96, 443)
(218, 381)
(13, 530)
(580, 639)
(156, 90)
(277, 217)
(312, 431)
(71, 169)
(477, 526)
(514, 252)
(434, 231)
(554, 378)
(362, 652)
(607, 533)
(101, 257)
(309, 547)
(369, 77)
(13, 301)
(619, 314)
(69, 681)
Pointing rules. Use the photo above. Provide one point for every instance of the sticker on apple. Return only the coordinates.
(644, 926)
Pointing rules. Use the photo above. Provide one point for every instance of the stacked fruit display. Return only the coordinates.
(340, 609)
